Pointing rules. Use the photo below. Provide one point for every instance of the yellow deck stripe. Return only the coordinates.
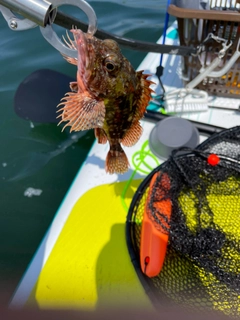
(89, 265)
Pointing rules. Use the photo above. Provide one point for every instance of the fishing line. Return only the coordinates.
(67, 22)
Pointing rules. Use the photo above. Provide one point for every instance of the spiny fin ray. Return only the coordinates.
(145, 96)
(72, 45)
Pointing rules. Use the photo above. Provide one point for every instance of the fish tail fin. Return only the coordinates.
(116, 161)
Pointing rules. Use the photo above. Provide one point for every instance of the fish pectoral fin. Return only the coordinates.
(82, 112)
(133, 134)
(100, 135)
(116, 161)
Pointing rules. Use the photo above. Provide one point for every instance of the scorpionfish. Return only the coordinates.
(109, 96)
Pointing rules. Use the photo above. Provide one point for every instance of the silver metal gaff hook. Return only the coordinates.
(50, 35)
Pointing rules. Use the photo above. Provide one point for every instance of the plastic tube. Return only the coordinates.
(215, 63)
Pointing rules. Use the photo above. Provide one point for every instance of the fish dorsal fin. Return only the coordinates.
(144, 95)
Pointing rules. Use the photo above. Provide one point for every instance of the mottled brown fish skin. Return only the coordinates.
(109, 96)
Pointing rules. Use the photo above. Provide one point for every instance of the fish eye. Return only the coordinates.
(110, 64)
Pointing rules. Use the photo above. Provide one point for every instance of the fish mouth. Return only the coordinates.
(83, 56)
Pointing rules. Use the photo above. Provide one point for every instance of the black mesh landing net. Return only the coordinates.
(201, 269)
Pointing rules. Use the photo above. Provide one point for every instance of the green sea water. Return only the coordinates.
(40, 156)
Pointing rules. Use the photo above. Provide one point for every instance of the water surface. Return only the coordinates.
(38, 156)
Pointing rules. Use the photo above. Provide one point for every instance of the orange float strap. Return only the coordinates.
(155, 227)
